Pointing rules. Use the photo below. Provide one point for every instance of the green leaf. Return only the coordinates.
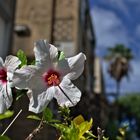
(4, 138)
(73, 133)
(60, 127)
(20, 93)
(34, 117)
(70, 132)
(104, 138)
(47, 114)
(7, 114)
(22, 57)
(54, 121)
(33, 62)
(19, 96)
(78, 120)
(61, 55)
(90, 134)
(85, 126)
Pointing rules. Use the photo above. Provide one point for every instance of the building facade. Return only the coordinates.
(64, 23)
(7, 10)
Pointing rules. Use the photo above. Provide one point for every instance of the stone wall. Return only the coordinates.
(37, 15)
(54, 20)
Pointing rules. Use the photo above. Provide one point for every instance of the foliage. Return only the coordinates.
(130, 109)
(48, 115)
(69, 128)
(6, 115)
(74, 129)
(119, 50)
(4, 138)
(122, 132)
(34, 117)
(131, 104)
(22, 57)
(61, 55)
(119, 57)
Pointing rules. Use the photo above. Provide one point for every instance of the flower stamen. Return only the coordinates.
(52, 78)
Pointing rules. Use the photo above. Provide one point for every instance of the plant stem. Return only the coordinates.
(117, 89)
(35, 131)
(100, 133)
(11, 123)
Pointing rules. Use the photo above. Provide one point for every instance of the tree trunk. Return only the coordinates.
(117, 89)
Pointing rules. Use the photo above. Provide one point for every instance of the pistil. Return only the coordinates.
(3, 75)
(51, 78)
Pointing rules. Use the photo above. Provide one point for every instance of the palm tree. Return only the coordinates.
(119, 67)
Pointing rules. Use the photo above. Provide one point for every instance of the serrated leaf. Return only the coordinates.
(34, 117)
(74, 134)
(78, 120)
(7, 114)
(85, 126)
(22, 57)
(4, 138)
(47, 114)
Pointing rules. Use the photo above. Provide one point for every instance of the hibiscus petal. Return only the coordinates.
(1, 62)
(45, 52)
(76, 64)
(5, 97)
(23, 76)
(73, 94)
(63, 67)
(9, 76)
(2, 104)
(11, 63)
(40, 99)
(71, 67)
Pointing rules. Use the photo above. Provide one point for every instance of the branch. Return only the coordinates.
(100, 133)
(35, 131)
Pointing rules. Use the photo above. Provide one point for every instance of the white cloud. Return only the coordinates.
(132, 85)
(137, 31)
(109, 28)
(127, 85)
(120, 5)
(133, 1)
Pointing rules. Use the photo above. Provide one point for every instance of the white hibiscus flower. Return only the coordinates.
(6, 74)
(50, 78)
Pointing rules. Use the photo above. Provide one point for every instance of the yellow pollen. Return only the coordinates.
(53, 79)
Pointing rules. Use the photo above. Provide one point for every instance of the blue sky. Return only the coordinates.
(118, 21)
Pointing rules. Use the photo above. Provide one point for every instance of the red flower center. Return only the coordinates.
(3, 75)
(52, 78)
